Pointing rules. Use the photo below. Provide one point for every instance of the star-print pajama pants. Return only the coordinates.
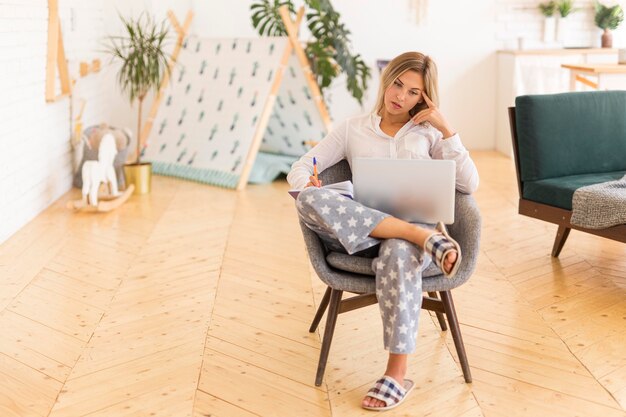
(344, 225)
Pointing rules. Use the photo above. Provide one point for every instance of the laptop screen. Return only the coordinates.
(415, 190)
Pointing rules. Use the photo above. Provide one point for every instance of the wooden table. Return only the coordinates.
(597, 76)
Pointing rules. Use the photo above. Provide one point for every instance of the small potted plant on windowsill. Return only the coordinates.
(608, 19)
(144, 62)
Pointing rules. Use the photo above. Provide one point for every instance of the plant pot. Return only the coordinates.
(549, 28)
(561, 28)
(140, 175)
(607, 39)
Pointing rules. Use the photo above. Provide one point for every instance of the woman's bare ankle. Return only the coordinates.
(420, 235)
(396, 374)
(397, 367)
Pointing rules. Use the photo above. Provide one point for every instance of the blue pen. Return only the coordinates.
(315, 168)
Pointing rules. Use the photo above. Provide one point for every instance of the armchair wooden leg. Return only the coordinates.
(442, 320)
(320, 311)
(331, 320)
(448, 306)
(561, 236)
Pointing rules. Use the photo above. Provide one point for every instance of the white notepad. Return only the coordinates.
(344, 188)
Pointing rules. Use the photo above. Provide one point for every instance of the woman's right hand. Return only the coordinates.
(313, 182)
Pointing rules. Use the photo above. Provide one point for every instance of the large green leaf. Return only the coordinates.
(266, 18)
(329, 51)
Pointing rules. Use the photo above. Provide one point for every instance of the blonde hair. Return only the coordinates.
(409, 61)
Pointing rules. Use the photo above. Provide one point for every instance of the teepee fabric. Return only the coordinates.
(213, 107)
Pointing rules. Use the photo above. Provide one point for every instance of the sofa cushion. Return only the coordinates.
(559, 191)
(571, 133)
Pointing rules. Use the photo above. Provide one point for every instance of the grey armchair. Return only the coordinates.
(353, 274)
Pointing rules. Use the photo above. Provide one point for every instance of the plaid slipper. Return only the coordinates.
(439, 246)
(389, 391)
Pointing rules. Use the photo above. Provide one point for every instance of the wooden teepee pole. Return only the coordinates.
(267, 111)
(292, 32)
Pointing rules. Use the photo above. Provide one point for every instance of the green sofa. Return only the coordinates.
(562, 142)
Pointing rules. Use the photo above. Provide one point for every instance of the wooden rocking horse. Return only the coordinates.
(95, 173)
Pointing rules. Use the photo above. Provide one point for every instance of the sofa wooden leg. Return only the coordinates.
(448, 305)
(561, 236)
(440, 317)
(320, 311)
(331, 320)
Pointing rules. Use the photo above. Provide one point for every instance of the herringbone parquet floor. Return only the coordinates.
(196, 301)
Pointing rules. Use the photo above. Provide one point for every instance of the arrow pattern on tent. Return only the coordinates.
(295, 118)
(213, 108)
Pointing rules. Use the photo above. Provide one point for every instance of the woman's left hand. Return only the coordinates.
(433, 116)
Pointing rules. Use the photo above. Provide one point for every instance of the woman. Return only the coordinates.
(406, 124)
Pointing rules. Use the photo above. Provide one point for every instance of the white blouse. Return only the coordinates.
(361, 136)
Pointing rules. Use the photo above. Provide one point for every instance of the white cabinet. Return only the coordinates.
(536, 72)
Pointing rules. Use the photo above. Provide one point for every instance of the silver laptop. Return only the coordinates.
(415, 190)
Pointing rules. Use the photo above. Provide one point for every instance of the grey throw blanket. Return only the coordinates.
(601, 205)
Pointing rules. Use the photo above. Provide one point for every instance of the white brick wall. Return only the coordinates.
(35, 151)
(36, 158)
(521, 19)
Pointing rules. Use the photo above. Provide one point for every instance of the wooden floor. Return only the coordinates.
(196, 301)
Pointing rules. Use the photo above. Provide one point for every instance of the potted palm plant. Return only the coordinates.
(608, 19)
(144, 62)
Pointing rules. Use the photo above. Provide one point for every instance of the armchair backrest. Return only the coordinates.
(570, 133)
(339, 172)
